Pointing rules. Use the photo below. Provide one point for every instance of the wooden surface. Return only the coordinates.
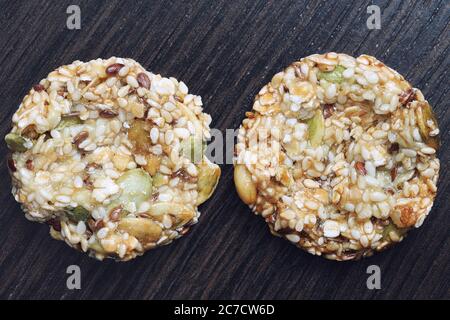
(225, 51)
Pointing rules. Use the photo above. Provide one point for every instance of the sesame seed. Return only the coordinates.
(378, 196)
(409, 153)
(371, 77)
(311, 184)
(293, 238)
(102, 233)
(165, 197)
(349, 207)
(311, 205)
(331, 229)
(182, 133)
(132, 81)
(428, 173)
(154, 135)
(428, 150)
(81, 227)
(288, 214)
(299, 226)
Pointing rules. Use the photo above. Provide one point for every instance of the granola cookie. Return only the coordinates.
(111, 156)
(339, 156)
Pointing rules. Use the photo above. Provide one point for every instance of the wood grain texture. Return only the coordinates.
(225, 50)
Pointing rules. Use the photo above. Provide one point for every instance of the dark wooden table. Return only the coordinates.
(225, 51)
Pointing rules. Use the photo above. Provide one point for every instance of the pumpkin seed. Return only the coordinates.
(78, 213)
(391, 227)
(292, 148)
(97, 247)
(68, 121)
(193, 148)
(245, 187)
(424, 114)
(334, 76)
(143, 229)
(15, 142)
(316, 129)
(181, 214)
(136, 185)
(158, 179)
(208, 177)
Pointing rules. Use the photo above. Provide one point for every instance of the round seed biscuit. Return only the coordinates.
(339, 156)
(111, 156)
